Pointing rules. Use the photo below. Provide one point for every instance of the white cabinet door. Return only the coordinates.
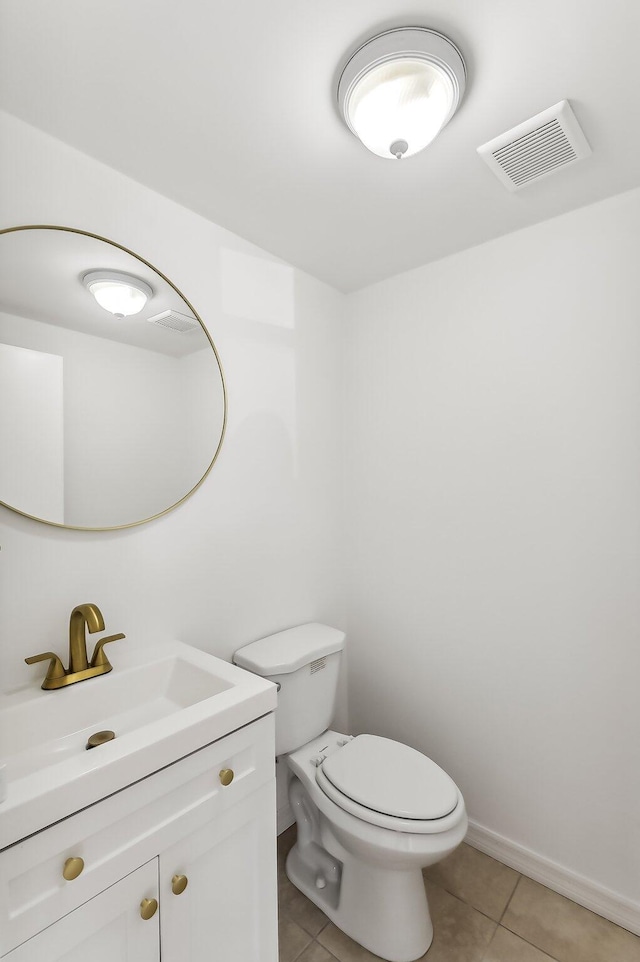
(107, 928)
(229, 908)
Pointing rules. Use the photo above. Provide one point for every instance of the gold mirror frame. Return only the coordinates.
(131, 524)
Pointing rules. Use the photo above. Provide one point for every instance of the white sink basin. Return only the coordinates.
(162, 703)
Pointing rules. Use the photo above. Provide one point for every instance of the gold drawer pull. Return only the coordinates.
(226, 776)
(72, 868)
(148, 908)
(179, 884)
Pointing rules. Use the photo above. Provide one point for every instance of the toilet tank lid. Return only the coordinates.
(289, 650)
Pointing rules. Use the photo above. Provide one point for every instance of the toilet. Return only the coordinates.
(371, 812)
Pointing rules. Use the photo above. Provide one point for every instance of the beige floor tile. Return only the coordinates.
(507, 947)
(292, 940)
(344, 948)
(475, 878)
(460, 933)
(294, 905)
(316, 953)
(564, 930)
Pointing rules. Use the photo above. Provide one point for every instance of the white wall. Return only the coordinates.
(493, 456)
(32, 423)
(256, 548)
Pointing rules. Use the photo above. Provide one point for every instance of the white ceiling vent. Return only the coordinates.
(536, 148)
(174, 321)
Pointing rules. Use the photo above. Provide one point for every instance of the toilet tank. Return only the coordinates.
(304, 663)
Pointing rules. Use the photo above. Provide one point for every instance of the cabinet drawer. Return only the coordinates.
(108, 926)
(119, 833)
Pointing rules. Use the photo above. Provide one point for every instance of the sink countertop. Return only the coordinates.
(163, 702)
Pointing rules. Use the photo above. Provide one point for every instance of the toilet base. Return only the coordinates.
(386, 912)
(384, 909)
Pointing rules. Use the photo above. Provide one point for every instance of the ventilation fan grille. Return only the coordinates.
(536, 148)
(174, 321)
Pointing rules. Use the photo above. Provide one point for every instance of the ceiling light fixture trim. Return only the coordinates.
(400, 88)
(118, 293)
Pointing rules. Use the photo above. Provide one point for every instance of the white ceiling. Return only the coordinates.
(229, 108)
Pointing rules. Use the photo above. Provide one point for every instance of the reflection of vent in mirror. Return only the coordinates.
(174, 321)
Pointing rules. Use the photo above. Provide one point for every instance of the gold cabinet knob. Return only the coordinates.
(72, 868)
(148, 908)
(226, 776)
(179, 884)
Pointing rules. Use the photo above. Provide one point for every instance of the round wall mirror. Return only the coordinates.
(112, 398)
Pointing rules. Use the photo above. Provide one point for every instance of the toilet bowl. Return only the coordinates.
(371, 812)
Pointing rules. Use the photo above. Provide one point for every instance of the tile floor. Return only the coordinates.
(482, 911)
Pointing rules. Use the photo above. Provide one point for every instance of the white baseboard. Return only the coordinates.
(576, 887)
(285, 818)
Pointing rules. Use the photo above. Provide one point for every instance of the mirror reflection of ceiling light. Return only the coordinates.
(400, 88)
(120, 294)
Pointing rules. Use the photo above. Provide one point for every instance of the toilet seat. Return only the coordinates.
(390, 785)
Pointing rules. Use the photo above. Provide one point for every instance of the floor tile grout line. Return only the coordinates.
(284, 914)
(289, 918)
(487, 947)
(335, 958)
(532, 944)
(510, 899)
(498, 924)
(330, 954)
(529, 942)
(470, 904)
(517, 934)
(304, 948)
(314, 938)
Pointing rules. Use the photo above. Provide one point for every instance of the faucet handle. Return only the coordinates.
(98, 657)
(55, 669)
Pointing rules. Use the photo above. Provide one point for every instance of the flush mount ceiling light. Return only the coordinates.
(400, 88)
(120, 294)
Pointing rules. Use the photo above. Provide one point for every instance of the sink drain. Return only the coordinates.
(99, 738)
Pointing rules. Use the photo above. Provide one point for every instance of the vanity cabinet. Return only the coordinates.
(197, 836)
(107, 928)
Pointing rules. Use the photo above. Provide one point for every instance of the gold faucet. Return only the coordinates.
(80, 668)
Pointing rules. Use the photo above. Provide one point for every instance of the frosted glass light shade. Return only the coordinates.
(404, 100)
(120, 294)
(399, 90)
